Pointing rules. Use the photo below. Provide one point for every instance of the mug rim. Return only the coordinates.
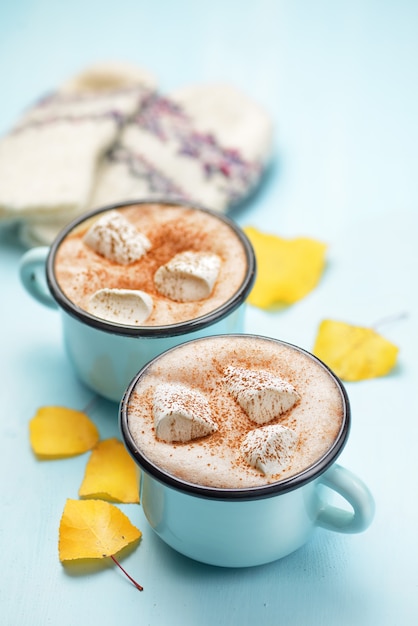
(167, 330)
(290, 483)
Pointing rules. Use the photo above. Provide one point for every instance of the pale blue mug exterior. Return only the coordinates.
(253, 526)
(258, 531)
(106, 356)
(107, 362)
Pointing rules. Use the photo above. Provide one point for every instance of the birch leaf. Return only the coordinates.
(287, 269)
(94, 529)
(111, 474)
(354, 352)
(57, 432)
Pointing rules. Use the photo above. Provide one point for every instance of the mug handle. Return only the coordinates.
(357, 494)
(32, 275)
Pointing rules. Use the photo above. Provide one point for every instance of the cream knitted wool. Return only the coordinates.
(208, 144)
(49, 160)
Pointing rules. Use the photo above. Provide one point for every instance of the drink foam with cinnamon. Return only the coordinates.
(204, 411)
(129, 266)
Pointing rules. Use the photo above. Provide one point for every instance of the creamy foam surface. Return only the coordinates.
(215, 460)
(171, 229)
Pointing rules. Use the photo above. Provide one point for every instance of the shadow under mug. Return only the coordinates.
(106, 355)
(256, 525)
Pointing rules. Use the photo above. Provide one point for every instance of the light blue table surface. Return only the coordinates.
(340, 81)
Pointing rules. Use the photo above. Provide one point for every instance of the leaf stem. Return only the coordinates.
(389, 320)
(90, 404)
(137, 585)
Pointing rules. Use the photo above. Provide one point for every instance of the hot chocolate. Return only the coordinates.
(234, 411)
(151, 264)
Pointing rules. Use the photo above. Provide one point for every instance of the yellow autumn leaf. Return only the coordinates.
(111, 474)
(58, 432)
(94, 529)
(287, 269)
(354, 352)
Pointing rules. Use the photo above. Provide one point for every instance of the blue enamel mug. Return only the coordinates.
(242, 527)
(104, 354)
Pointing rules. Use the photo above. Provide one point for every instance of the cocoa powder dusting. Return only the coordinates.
(170, 230)
(215, 459)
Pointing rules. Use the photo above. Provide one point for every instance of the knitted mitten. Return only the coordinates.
(48, 162)
(207, 144)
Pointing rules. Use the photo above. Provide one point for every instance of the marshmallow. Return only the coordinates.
(269, 449)
(262, 395)
(188, 276)
(181, 414)
(124, 306)
(115, 238)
